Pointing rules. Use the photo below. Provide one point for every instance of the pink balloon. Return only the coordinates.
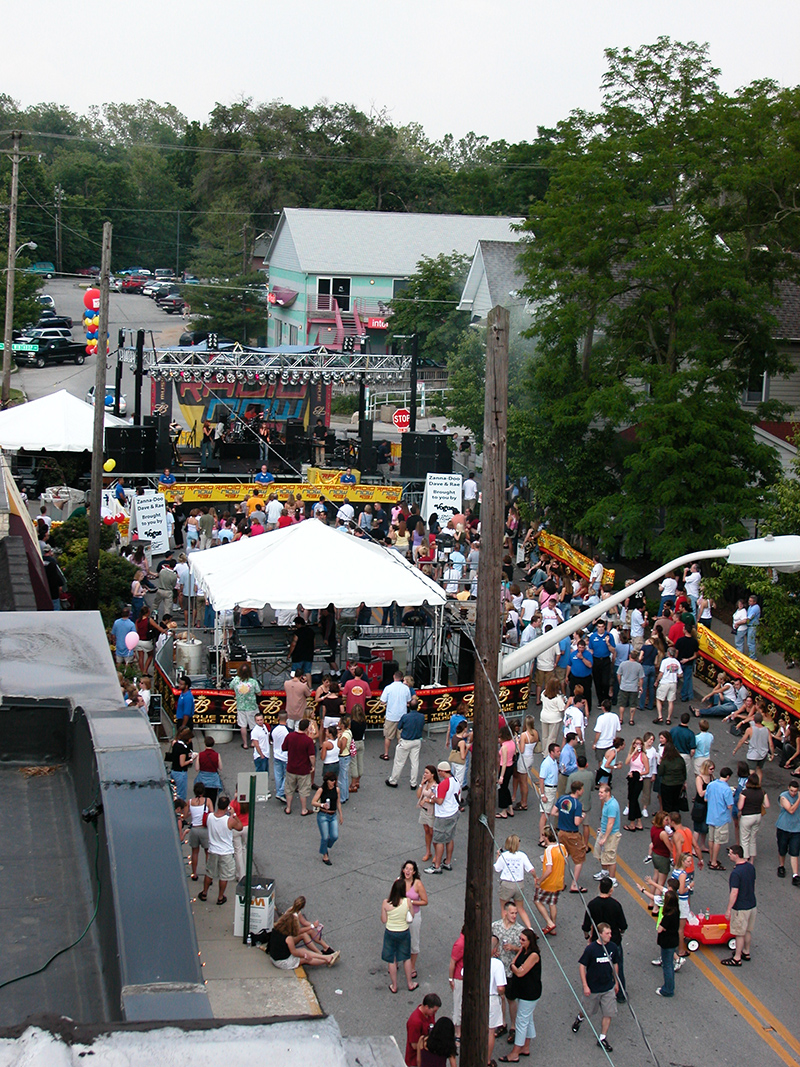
(131, 640)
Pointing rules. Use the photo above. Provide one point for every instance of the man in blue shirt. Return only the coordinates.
(606, 843)
(120, 630)
(568, 761)
(348, 478)
(579, 671)
(719, 797)
(753, 619)
(167, 478)
(410, 730)
(569, 810)
(264, 477)
(121, 493)
(603, 649)
(184, 710)
(548, 787)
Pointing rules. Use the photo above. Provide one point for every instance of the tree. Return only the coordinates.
(427, 306)
(653, 262)
(233, 307)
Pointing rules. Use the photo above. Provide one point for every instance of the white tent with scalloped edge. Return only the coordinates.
(59, 422)
(310, 564)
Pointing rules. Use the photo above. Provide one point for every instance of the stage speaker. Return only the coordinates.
(466, 662)
(133, 448)
(425, 453)
(298, 443)
(423, 672)
(294, 430)
(388, 667)
(366, 449)
(164, 457)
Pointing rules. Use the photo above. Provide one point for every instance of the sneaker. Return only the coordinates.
(433, 870)
(577, 1024)
(604, 1043)
(447, 867)
(659, 993)
(391, 783)
(625, 811)
(796, 879)
(656, 963)
(644, 813)
(614, 882)
(600, 874)
(679, 962)
(781, 872)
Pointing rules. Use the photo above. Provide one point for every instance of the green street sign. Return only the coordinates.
(20, 348)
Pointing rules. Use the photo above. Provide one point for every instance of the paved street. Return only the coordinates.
(133, 312)
(715, 1010)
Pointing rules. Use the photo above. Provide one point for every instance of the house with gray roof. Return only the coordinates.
(494, 279)
(332, 274)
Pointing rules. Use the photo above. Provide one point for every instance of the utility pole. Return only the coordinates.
(178, 246)
(412, 425)
(59, 249)
(244, 249)
(483, 781)
(95, 519)
(16, 137)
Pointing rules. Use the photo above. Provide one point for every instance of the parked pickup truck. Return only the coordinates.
(54, 350)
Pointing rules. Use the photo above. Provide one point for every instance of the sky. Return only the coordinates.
(498, 68)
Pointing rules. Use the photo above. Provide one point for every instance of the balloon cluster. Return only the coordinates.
(109, 520)
(91, 319)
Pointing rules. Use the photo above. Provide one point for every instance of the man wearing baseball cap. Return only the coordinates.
(445, 819)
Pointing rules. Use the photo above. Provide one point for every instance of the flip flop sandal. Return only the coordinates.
(202, 896)
(731, 962)
(221, 901)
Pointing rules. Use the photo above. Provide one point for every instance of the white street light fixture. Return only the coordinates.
(779, 553)
(28, 244)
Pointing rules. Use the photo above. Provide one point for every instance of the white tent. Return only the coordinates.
(310, 564)
(59, 422)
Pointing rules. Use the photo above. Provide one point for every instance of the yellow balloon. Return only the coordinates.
(109, 465)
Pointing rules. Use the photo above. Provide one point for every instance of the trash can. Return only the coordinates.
(262, 906)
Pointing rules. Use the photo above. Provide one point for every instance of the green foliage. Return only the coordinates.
(76, 528)
(427, 307)
(466, 376)
(116, 575)
(234, 307)
(652, 263)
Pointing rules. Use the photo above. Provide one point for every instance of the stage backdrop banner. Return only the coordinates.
(565, 553)
(777, 689)
(232, 492)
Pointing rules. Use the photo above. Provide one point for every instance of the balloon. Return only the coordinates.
(91, 299)
(131, 640)
(108, 520)
(109, 465)
(120, 518)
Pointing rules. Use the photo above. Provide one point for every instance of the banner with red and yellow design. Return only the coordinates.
(565, 553)
(774, 687)
(232, 492)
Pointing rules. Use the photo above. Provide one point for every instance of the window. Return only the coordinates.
(292, 335)
(757, 388)
(338, 288)
(278, 331)
(398, 285)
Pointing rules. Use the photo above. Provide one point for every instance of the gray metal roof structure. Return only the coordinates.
(385, 243)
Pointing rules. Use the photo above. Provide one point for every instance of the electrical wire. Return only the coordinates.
(61, 951)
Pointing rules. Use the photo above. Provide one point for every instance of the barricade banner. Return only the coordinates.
(232, 492)
(565, 553)
(779, 691)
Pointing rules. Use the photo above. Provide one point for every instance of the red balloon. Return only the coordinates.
(91, 299)
(108, 520)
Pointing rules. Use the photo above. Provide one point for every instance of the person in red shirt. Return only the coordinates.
(457, 979)
(357, 690)
(299, 766)
(285, 520)
(676, 631)
(419, 1025)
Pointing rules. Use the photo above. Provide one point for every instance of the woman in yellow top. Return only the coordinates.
(551, 883)
(397, 916)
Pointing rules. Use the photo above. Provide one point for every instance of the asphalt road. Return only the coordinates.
(718, 1015)
(133, 312)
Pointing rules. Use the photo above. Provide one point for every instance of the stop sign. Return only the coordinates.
(402, 419)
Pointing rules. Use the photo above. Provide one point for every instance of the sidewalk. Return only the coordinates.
(241, 981)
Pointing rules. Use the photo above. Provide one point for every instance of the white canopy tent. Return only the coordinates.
(310, 564)
(59, 422)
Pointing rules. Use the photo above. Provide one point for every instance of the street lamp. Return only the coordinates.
(9, 322)
(779, 553)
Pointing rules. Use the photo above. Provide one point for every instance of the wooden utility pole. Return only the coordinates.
(483, 780)
(16, 137)
(95, 518)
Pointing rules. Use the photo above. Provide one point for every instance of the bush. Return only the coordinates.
(77, 528)
(116, 575)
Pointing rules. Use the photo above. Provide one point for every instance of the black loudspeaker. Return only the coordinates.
(387, 672)
(366, 449)
(164, 457)
(298, 444)
(133, 448)
(425, 453)
(295, 430)
(466, 662)
(423, 672)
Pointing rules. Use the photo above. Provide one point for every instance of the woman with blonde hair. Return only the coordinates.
(287, 949)
(527, 741)
(512, 864)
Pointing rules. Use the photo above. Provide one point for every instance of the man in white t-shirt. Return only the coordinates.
(667, 683)
(396, 696)
(740, 625)
(637, 629)
(574, 721)
(596, 575)
(497, 987)
(691, 583)
(274, 509)
(259, 739)
(279, 757)
(605, 730)
(445, 818)
(470, 492)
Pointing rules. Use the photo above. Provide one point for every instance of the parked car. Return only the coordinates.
(46, 301)
(55, 350)
(111, 392)
(172, 303)
(45, 333)
(88, 272)
(49, 318)
(190, 338)
(191, 279)
(133, 283)
(164, 274)
(42, 267)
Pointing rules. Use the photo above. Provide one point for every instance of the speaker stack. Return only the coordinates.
(298, 444)
(164, 457)
(133, 448)
(366, 449)
(425, 453)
